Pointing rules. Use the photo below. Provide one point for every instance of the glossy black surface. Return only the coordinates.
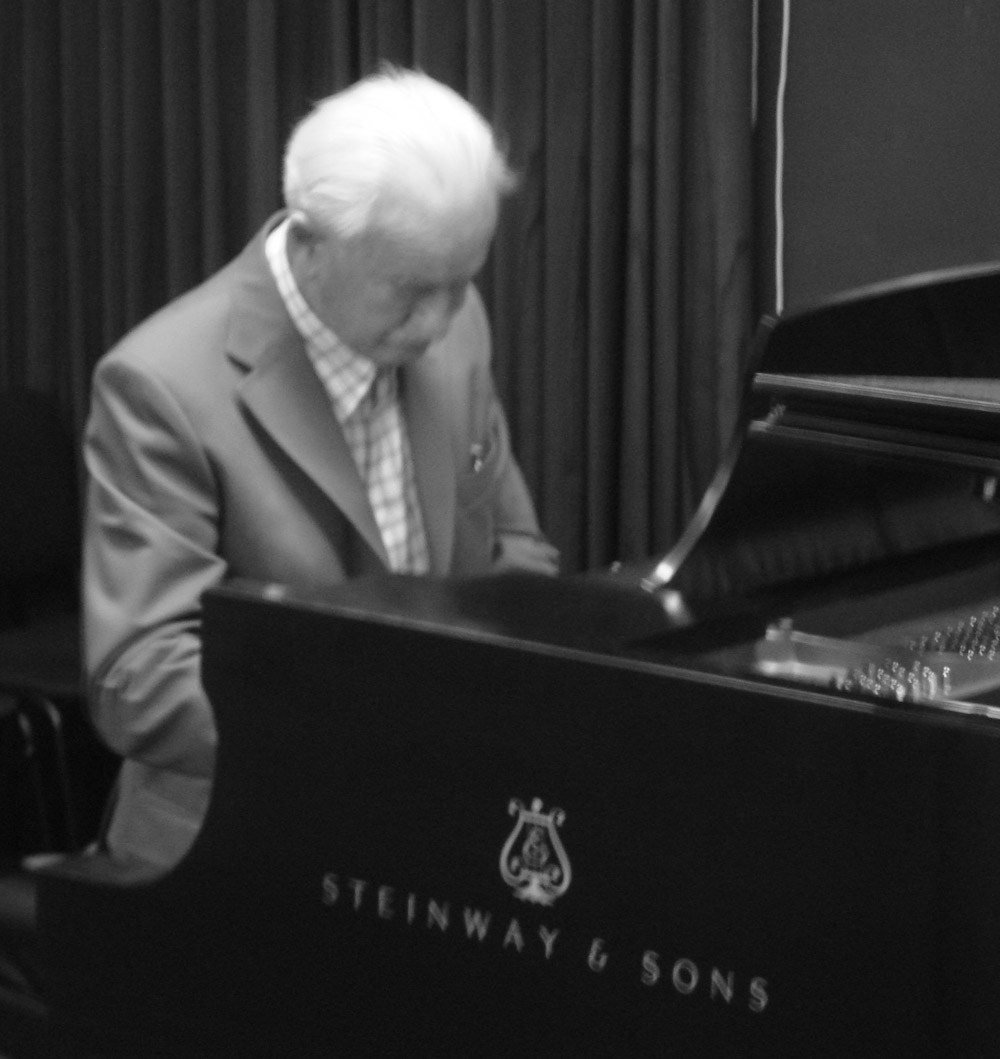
(754, 870)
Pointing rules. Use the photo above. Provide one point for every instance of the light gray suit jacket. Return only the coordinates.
(213, 452)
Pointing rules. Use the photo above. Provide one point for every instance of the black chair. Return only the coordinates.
(41, 710)
(48, 775)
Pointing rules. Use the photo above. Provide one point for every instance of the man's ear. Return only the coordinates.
(303, 246)
(301, 227)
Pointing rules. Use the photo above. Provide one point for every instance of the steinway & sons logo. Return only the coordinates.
(534, 864)
(533, 860)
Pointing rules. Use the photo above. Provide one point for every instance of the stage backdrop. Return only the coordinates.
(880, 144)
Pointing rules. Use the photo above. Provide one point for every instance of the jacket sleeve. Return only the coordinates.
(515, 510)
(494, 505)
(519, 541)
(150, 538)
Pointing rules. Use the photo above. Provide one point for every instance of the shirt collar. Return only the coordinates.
(346, 376)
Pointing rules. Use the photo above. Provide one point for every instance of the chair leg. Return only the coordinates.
(29, 750)
(63, 778)
(53, 800)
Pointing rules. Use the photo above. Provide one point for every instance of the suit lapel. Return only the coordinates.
(285, 396)
(283, 393)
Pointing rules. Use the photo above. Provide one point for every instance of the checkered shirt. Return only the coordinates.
(366, 403)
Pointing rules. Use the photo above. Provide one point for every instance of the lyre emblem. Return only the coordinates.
(533, 860)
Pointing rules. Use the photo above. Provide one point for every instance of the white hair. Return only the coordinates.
(398, 151)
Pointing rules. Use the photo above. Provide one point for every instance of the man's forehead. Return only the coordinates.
(438, 256)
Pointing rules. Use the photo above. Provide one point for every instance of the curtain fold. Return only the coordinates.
(142, 146)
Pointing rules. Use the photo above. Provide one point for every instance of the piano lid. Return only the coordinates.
(869, 434)
(880, 144)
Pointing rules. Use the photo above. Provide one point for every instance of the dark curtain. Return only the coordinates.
(141, 147)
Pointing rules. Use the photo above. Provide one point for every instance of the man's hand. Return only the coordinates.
(523, 551)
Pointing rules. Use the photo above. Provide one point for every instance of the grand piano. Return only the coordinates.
(741, 799)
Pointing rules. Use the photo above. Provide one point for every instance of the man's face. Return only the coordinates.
(387, 297)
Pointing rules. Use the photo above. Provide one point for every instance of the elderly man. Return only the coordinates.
(321, 408)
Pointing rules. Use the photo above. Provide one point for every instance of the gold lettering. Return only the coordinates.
(514, 936)
(758, 994)
(598, 958)
(331, 891)
(437, 915)
(722, 986)
(548, 940)
(685, 976)
(358, 886)
(476, 923)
